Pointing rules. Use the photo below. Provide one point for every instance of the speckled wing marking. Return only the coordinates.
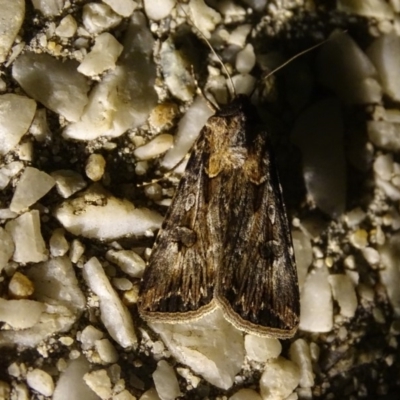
(226, 239)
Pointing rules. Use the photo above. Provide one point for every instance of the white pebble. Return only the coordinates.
(100, 383)
(279, 379)
(158, 9)
(124, 8)
(68, 182)
(316, 302)
(344, 293)
(29, 243)
(239, 35)
(95, 167)
(244, 83)
(97, 214)
(300, 354)
(129, 262)
(371, 255)
(67, 27)
(383, 166)
(114, 315)
(16, 115)
(354, 217)
(106, 351)
(103, 55)
(40, 381)
(89, 336)
(76, 251)
(21, 314)
(58, 243)
(160, 144)
(165, 380)
(245, 59)
(261, 349)
(98, 17)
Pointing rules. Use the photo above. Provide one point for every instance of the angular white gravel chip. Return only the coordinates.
(40, 381)
(165, 380)
(115, 316)
(16, 115)
(12, 16)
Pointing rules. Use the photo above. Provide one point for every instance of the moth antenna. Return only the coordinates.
(234, 94)
(210, 104)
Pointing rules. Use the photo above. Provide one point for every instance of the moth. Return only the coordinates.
(225, 241)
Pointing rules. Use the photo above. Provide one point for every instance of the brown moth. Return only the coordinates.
(225, 241)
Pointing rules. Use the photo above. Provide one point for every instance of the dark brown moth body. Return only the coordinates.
(226, 240)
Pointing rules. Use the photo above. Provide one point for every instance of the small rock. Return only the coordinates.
(68, 182)
(58, 243)
(245, 59)
(106, 351)
(89, 336)
(359, 238)
(67, 27)
(124, 8)
(6, 248)
(95, 167)
(29, 243)
(261, 349)
(40, 381)
(165, 380)
(98, 17)
(163, 115)
(21, 314)
(103, 55)
(300, 354)
(100, 383)
(129, 262)
(158, 9)
(160, 144)
(20, 286)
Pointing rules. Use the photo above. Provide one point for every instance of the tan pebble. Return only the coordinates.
(163, 115)
(20, 286)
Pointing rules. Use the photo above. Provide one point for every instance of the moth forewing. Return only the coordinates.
(225, 240)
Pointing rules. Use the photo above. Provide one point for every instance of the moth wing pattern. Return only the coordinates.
(178, 283)
(257, 286)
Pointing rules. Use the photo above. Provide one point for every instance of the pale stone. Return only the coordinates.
(245, 59)
(97, 214)
(165, 380)
(124, 395)
(124, 8)
(89, 336)
(40, 381)
(344, 293)
(189, 128)
(31, 187)
(359, 238)
(383, 53)
(70, 384)
(243, 83)
(20, 314)
(67, 27)
(384, 134)
(54, 82)
(176, 71)
(68, 182)
(300, 354)
(102, 56)
(238, 36)
(126, 95)
(20, 286)
(210, 346)
(8, 172)
(14, 123)
(371, 255)
(303, 255)
(49, 8)
(58, 243)
(354, 217)
(262, 349)
(95, 167)
(129, 262)
(158, 145)
(158, 9)
(97, 17)
(76, 251)
(39, 127)
(100, 383)
(204, 17)
(29, 243)
(316, 302)
(56, 280)
(12, 16)
(6, 248)
(106, 351)
(114, 315)
(383, 166)
(279, 379)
